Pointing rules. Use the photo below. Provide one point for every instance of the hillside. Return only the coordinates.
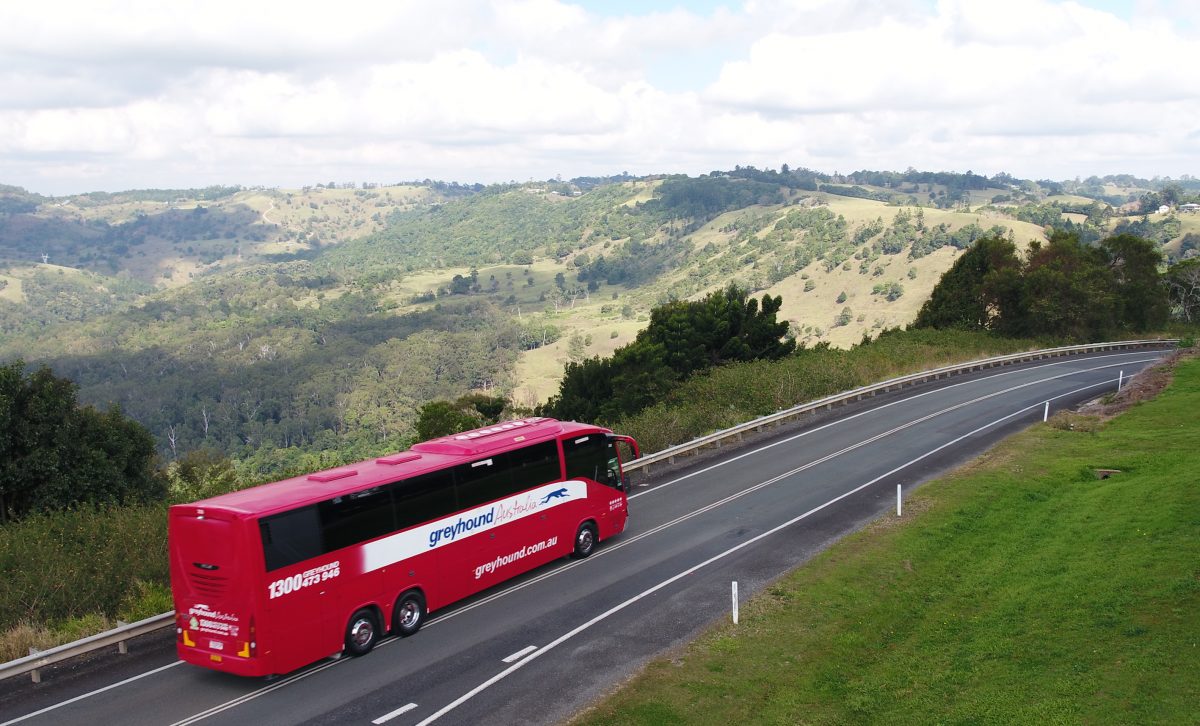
(265, 323)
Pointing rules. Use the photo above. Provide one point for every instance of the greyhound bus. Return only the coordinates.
(269, 579)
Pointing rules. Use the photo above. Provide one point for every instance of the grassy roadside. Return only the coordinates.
(1020, 589)
(731, 394)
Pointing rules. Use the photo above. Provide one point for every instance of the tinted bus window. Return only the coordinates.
(290, 537)
(593, 457)
(356, 517)
(423, 498)
(483, 480)
(534, 465)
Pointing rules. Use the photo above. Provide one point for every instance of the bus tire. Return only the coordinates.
(409, 615)
(362, 632)
(585, 541)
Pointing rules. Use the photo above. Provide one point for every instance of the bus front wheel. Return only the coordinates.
(362, 633)
(409, 615)
(585, 541)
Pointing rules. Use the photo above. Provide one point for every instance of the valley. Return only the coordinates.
(273, 325)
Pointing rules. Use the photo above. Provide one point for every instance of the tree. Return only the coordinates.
(200, 474)
(443, 418)
(56, 454)
(1069, 290)
(1141, 295)
(1183, 289)
(725, 326)
(489, 407)
(585, 386)
(683, 337)
(972, 294)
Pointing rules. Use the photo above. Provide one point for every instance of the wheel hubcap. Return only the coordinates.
(409, 614)
(585, 539)
(362, 632)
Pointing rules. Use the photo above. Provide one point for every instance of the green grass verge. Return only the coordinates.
(1019, 590)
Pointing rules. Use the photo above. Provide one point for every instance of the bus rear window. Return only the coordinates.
(207, 543)
(291, 537)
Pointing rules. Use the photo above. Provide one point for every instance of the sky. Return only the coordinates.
(106, 96)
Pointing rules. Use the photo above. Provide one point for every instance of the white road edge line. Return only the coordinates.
(520, 653)
(393, 714)
(91, 693)
(646, 593)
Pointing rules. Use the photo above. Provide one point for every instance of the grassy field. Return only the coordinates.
(814, 313)
(1021, 589)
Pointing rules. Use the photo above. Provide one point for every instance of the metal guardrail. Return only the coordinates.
(737, 433)
(117, 636)
(35, 661)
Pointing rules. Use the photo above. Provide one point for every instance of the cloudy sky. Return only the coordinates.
(114, 95)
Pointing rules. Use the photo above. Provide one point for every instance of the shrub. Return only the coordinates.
(73, 563)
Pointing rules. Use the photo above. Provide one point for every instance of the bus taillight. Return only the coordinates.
(250, 647)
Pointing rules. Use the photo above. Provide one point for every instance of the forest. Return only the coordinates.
(318, 322)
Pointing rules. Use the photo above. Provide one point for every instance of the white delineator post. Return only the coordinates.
(735, 603)
(1046, 414)
(1120, 380)
(898, 499)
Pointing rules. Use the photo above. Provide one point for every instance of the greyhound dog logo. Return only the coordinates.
(556, 494)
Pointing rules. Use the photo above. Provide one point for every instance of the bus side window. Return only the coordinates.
(590, 457)
(357, 517)
(290, 537)
(423, 498)
(534, 465)
(484, 481)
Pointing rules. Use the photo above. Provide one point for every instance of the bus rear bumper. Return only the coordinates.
(223, 662)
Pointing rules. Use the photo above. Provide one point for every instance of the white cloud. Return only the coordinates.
(112, 95)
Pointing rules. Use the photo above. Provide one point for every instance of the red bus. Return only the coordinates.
(269, 579)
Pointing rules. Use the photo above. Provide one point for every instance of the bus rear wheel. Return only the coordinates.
(362, 633)
(409, 615)
(585, 541)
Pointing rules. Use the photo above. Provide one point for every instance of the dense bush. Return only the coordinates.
(56, 454)
(67, 564)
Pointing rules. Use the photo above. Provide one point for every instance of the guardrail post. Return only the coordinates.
(36, 673)
(121, 647)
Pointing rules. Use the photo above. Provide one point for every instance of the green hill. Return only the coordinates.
(264, 323)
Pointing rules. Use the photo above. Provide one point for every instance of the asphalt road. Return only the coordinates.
(540, 648)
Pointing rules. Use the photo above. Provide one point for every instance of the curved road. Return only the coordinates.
(541, 647)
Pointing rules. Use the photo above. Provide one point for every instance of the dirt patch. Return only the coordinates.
(1144, 386)
(911, 509)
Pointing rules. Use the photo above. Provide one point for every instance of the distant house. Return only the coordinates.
(1191, 208)
(1164, 209)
